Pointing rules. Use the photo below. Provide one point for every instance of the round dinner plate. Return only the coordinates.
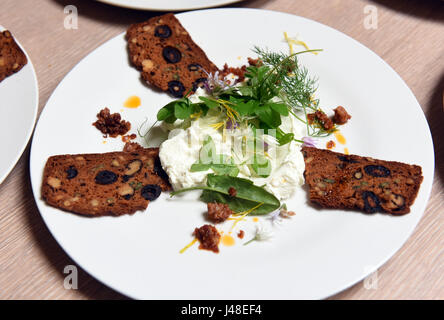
(316, 253)
(19, 102)
(169, 5)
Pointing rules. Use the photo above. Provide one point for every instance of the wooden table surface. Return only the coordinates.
(409, 36)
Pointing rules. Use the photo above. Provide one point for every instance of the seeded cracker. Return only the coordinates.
(114, 183)
(167, 56)
(353, 182)
(12, 58)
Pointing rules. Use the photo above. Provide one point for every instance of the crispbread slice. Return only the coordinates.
(166, 55)
(344, 181)
(12, 58)
(114, 183)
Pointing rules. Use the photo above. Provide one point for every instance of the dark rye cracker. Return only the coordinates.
(344, 181)
(166, 55)
(114, 183)
(12, 58)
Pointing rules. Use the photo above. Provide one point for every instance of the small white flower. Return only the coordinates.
(262, 233)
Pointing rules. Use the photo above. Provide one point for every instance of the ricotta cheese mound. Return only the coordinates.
(182, 149)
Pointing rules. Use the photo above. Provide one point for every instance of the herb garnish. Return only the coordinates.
(247, 196)
(276, 87)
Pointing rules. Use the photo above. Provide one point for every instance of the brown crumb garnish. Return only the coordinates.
(218, 212)
(241, 234)
(132, 147)
(254, 62)
(111, 124)
(208, 237)
(239, 72)
(331, 144)
(129, 137)
(341, 116)
(232, 192)
(322, 118)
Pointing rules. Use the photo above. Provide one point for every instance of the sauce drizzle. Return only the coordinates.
(132, 102)
(341, 139)
(228, 240)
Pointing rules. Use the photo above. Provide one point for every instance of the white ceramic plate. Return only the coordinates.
(19, 101)
(169, 5)
(315, 254)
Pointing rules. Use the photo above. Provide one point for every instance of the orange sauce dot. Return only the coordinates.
(341, 139)
(132, 102)
(255, 219)
(331, 144)
(346, 151)
(227, 240)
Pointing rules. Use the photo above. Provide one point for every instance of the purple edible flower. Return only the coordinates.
(231, 125)
(274, 216)
(309, 142)
(214, 83)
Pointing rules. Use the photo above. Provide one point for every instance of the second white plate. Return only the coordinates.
(19, 102)
(169, 5)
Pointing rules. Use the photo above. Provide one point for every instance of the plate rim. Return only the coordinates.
(117, 3)
(34, 116)
(350, 283)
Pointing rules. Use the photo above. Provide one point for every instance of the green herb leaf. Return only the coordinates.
(209, 102)
(225, 169)
(219, 163)
(196, 167)
(248, 195)
(166, 111)
(261, 165)
(268, 116)
(281, 108)
(245, 108)
(207, 151)
(286, 138)
(183, 110)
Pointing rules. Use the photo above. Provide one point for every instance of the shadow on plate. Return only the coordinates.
(427, 9)
(99, 11)
(107, 13)
(435, 118)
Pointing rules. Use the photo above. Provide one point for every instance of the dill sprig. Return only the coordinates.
(292, 81)
(277, 86)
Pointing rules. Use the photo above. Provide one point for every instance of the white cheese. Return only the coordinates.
(181, 150)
